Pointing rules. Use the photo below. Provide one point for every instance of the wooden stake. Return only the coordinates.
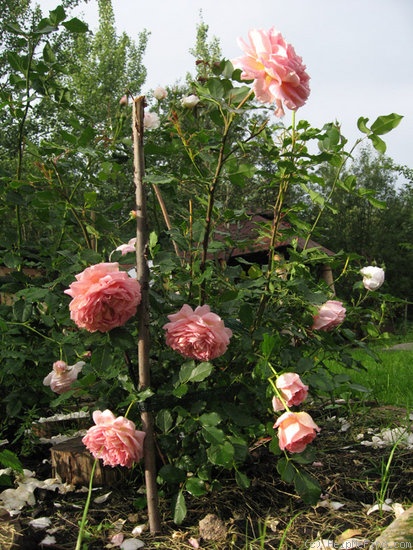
(143, 311)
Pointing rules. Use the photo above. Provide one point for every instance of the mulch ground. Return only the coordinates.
(350, 474)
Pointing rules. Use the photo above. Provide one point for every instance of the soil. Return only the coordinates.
(267, 515)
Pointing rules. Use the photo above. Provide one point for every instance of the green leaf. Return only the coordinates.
(385, 123)
(191, 373)
(75, 25)
(48, 53)
(286, 469)
(213, 435)
(362, 125)
(10, 460)
(377, 203)
(57, 15)
(195, 486)
(209, 419)
(172, 474)
(221, 455)
(307, 487)
(242, 480)
(164, 420)
(378, 143)
(179, 508)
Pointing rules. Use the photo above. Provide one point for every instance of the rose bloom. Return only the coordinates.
(330, 315)
(198, 334)
(373, 277)
(190, 101)
(129, 247)
(160, 93)
(114, 439)
(278, 72)
(62, 376)
(103, 297)
(292, 390)
(295, 431)
(151, 121)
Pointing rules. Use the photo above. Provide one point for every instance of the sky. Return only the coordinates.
(358, 53)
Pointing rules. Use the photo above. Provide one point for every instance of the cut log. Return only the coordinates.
(73, 463)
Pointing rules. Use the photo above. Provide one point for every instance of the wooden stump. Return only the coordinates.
(73, 463)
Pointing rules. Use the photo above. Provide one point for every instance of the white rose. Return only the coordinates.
(151, 121)
(190, 101)
(160, 93)
(373, 277)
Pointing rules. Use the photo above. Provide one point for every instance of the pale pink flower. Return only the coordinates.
(330, 315)
(103, 297)
(198, 334)
(295, 431)
(61, 378)
(292, 390)
(373, 277)
(114, 439)
(278, 72)
(160, 93)
(190, 101)
(129, 247)
(151, 120)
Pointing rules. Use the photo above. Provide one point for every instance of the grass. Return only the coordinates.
(389, 376)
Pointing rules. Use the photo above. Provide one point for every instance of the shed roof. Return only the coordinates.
(249, 236)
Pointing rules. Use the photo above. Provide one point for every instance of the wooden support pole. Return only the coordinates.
(143, 311)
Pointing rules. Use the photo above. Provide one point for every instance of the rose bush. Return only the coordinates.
(103, 297)
(206, 169)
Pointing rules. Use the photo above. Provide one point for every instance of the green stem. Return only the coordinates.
(333, 187)
(86, 508)
(34, 330)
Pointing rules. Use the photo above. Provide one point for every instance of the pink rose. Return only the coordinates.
(330, 315)
(295, 431)
(198, 334)
(103, 297)
(129, 247)
(278, 72)
(114, 439)
(292, 390)
(62, 376)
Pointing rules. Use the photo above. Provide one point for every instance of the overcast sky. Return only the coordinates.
(359, 53)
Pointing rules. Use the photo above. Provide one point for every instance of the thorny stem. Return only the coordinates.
(32, 48)
(143, 311)
(165, 215)
(284, 183)
(212, 187)
(72, 208)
